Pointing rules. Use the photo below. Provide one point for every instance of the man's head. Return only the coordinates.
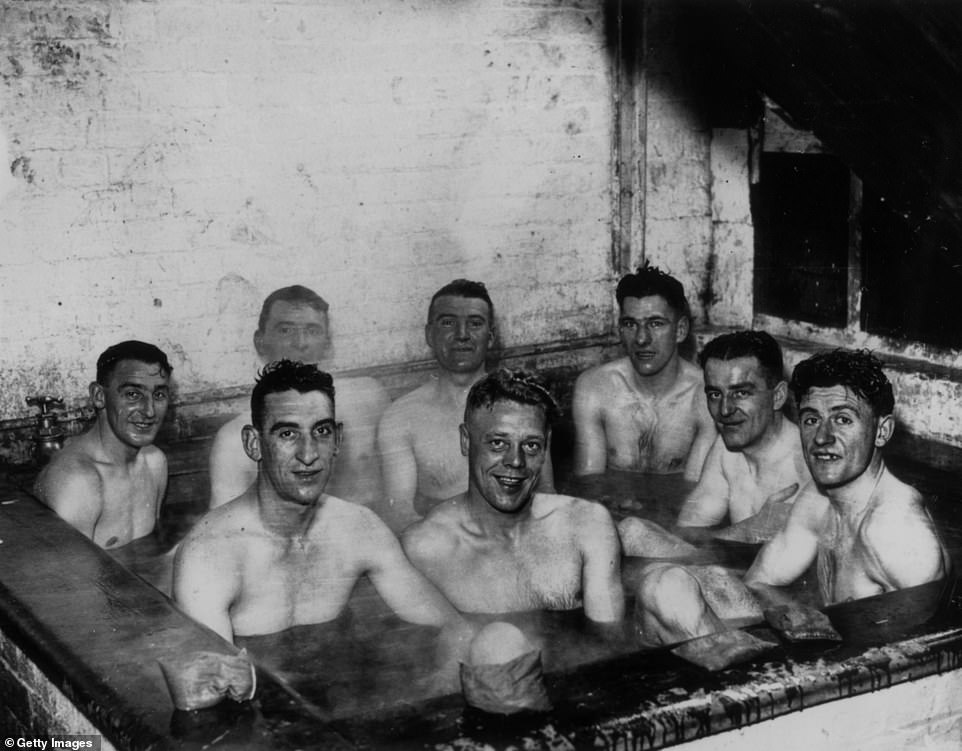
(653, 320)
(294, 435)
(744, 385)
(460, 326)
(845, 405)
(132, 391)
(292, 326)
(505, 435)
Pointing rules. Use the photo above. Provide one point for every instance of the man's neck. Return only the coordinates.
(284, 518)
(452, 384)
(660, 383)
(491, 522)
(767, 448)
(114, 450)
(852, 499)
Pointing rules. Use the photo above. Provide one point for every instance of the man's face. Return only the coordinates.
(840, 433)
(293, 331)
(459, 333)
(650, 332)
(739, 400)
(297, 444)
(506, 447)
(134, 400)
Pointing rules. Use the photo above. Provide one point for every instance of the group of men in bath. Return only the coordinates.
(310, 490)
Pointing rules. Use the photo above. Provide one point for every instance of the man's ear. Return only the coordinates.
(252, 442)
(338, 436)
(259, 343)
(884, 430)
(465, 439)
(779, 395)
(681, 331)
(97, 395)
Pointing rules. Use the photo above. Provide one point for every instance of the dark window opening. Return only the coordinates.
(911, 289)
(800, 209)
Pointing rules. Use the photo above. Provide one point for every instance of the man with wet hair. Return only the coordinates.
(503, 546)
(110, 481)
(645, 411)
(286, 553)
(417, 438)
(866, 531)
(756, 461)
(293, 325)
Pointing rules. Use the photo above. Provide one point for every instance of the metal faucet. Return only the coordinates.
(50, 435)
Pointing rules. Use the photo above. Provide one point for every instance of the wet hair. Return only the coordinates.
(286, 375)
(505, 385)
(463, 288)
(295, 294)
(130, 350)
(858, 370)
(758, 344)
(650, 280)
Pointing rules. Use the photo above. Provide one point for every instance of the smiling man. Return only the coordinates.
(285, 553)
(645, 411)
(421, 462)
(757, 456)
(110, 481)
(502, 546)
(293, 325)
(866, 531)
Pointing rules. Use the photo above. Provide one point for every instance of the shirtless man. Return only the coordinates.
(110, 481)
(421, 462)
(645, 411)
(293, 325)
(757, 459)
(285, 553)
(867, 531)
(502, 546)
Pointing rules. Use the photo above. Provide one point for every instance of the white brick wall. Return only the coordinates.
(176, 161)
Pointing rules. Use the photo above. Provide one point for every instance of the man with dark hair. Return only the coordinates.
(110, 481)
(417, 437)
(644, 412)
(866, 531)
(756, 461)
(285, 553)
(502, 546)
(293, 325)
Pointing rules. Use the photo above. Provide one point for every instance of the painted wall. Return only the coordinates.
(169, 164)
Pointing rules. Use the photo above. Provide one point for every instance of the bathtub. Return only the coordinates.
(81, 633)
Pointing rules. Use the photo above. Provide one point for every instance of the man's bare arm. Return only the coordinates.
(405, 589)
(789, 553)
(204, 587)
(399, 470)
(906, 547)
(705, 435)
(591, 448)
(602, 592)
(707, 504)
(75, 493)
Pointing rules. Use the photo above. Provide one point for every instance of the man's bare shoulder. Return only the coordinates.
(226, 524)
(362, 394)
(155, 458)
(231, 430)
(411, 404)
(438, 531)
(690, 377)
(71, 470)
(600, 375)
(570, 508)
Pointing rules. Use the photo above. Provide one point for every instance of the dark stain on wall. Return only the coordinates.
(20, 167)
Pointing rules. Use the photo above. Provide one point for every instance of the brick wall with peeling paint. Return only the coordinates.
(168, 164)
